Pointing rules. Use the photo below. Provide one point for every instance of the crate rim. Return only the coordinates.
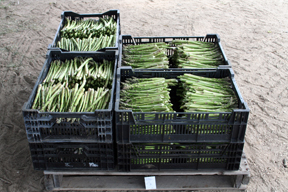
(90, 14)
(159, 37)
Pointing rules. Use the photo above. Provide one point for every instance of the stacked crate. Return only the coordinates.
(179, 140)
(56, 142)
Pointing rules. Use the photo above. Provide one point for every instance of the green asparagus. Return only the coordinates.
(88, 35)
(196, 54)
(76, 85)
(202, 94)
(150, 55)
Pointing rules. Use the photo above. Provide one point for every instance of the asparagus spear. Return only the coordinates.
(146, 95)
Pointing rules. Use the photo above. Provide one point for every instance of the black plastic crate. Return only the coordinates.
(139, 127)
(179, 156)
(92, 127)
(76, 16)
(129, 40)
(71, 156)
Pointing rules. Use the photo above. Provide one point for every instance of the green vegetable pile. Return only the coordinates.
(187, 54)
(202, 94)
(196, 54)
(150, 55)
(196, 94)
(77, 85)
(146, 94)
(88, 35)
(79, 70)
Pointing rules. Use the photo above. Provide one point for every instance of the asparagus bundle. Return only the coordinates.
(197, 54)
(150, 55)
(146, 94)
(202, 94)
(77, 85)
(85, 28)
(59, 98)
(79, 69)
(88, 35)
(88, 44)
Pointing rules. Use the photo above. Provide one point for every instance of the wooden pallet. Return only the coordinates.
(134, 181)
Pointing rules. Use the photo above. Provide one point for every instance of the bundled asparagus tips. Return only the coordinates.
(88, 44)
(89, 28)
(146, 94)
(196, 54)
(202, 94)
(75, 70)
(192, 43)
(146, 46)
(77, 85)
(88, 35)
(58, 98)
(150, 55)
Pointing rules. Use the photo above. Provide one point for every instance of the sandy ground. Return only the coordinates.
(254, 36)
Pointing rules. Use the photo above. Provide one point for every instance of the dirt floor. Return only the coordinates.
(254, 35)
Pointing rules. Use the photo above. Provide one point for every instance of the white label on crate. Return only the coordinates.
(150, 182)
(93, 165)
